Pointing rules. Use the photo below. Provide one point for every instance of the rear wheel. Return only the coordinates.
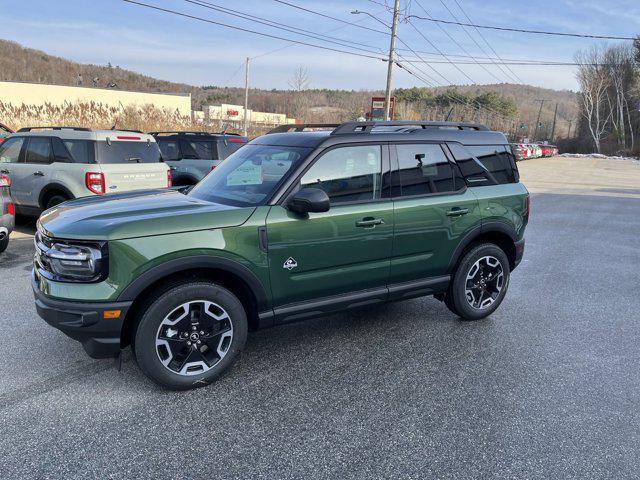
(480, 282)
(190, 334)
(55, 200)
(4, 243)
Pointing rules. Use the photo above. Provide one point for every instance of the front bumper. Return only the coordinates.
(84, 322)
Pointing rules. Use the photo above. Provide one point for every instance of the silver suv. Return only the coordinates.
(192, 155)
(49, 165)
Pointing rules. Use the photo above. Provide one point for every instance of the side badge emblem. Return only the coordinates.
(290, 264)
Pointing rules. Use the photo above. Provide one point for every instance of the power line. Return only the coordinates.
(486, 41)
(476, 42)
(453, 40)
(282, 26)
(330, 17)
(521, 30)
(234, 27)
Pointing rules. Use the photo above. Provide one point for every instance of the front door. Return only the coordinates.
(433, 211)
(341, 251)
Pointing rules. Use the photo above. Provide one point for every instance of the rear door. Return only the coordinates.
(433, 211)
(343, 250)
(131, 164)
(12, 163)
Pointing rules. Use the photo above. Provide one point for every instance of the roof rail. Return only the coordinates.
(300, 127)
(366, 127)
(187, 132)
(79, 129)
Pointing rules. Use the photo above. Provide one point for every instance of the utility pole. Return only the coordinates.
(246, 97)
(535, 132)
(553, 129)
(392, 43)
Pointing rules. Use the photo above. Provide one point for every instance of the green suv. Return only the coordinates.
(294, 225)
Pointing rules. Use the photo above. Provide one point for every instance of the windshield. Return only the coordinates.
(250, 176)
(128, 152)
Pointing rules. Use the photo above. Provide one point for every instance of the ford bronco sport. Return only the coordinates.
(192, 155)
(294, 225)
(49, 165)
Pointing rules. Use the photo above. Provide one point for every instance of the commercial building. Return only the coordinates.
(235, 113)
(17, 93)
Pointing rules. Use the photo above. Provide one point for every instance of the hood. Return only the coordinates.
(138, 214)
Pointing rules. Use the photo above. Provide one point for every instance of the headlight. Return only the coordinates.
(68, 260)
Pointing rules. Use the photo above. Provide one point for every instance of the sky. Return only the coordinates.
(180, 49)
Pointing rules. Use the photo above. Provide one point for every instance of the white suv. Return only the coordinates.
(49, 165)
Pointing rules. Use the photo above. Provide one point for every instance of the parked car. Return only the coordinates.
(520, 151)
(49, 165)
(4, 132)
(536, 151)
(7, 213)
(192, 155)
(294, 225)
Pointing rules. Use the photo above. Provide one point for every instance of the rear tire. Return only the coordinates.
(480, 282)
(190, 334)
(55, 200)
(4, 243)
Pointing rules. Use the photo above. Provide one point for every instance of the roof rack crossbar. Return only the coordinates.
(300, 127)
(79, 129)
(367, 127)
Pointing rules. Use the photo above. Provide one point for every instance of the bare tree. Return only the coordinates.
(594, 81)
(300, 80)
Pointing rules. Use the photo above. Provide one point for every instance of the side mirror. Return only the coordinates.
(309, 200)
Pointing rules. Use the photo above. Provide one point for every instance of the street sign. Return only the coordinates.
(377, 108)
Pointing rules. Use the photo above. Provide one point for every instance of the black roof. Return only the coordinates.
(192, 134)
(352, 132)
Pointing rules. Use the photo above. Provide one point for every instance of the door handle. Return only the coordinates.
(457, 212)
(38, 174)
(6, 172)
(369, 222)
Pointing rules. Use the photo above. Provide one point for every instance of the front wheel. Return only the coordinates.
(480, 282)
(190, 334)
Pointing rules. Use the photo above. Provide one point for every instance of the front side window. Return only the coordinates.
(347, 174)
(39, 150)
(424, 169)
(128, 152)
(10, 150)
(170, 150)
(250, 176)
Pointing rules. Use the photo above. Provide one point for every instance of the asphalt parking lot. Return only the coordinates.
(547, 387)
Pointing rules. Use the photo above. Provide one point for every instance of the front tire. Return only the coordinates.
(190, 334)
(55, 200)
(480, 282)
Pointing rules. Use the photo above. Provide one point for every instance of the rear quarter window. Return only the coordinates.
(127, 152)
(486, 164)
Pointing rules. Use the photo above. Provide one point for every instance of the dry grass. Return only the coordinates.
(146, 118)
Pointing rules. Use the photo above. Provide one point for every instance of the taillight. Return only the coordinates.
(11, 209)
(5, 181)
(169, 179)
(236, 140)
(95, 182)
(527, 207)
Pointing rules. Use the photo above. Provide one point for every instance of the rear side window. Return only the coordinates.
(194, 149)
(128, 152)
(39, 150)
(486, 164)
(10, 150)
(424, 169)
(347, 174)
(170, 150)
(231, 146)
(79, 151)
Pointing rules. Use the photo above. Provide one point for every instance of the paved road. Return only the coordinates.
(548, 387)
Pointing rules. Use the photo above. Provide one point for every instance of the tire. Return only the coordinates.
(4, 243)
(178, 356)
(480, 282)
(55, 200)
